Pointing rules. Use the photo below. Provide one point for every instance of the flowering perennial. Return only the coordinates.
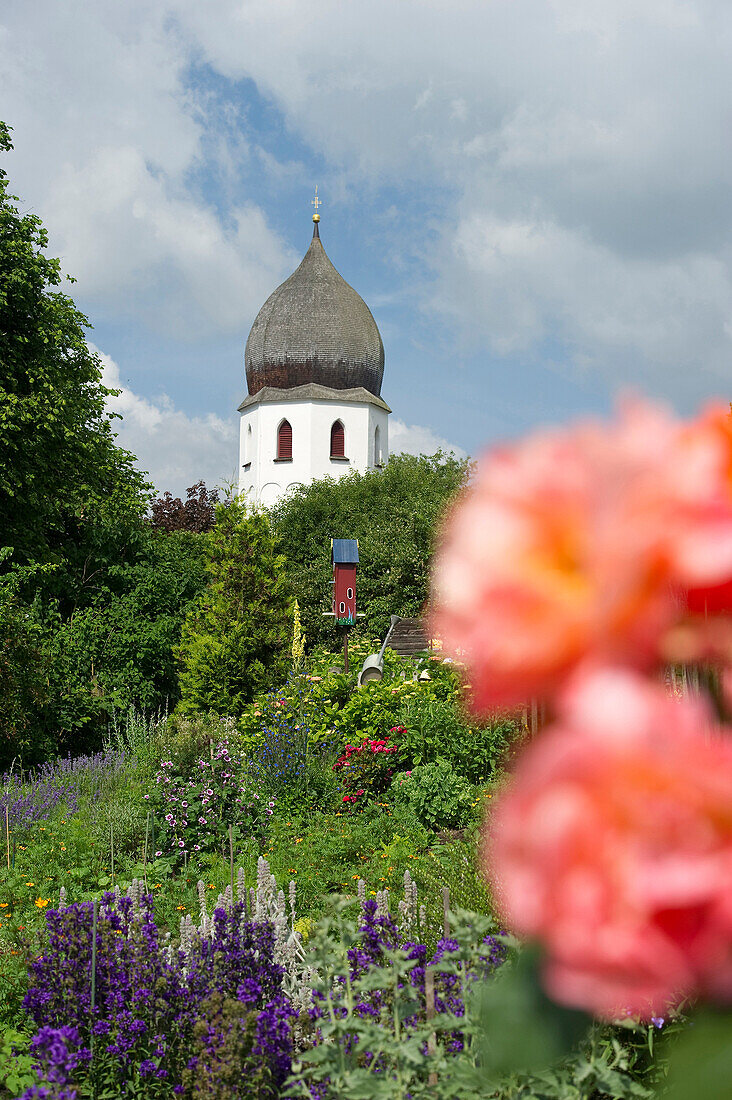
(180, 1019)
(366, 769)
(195, 811)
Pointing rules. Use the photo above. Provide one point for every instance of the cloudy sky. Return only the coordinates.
(533, 196)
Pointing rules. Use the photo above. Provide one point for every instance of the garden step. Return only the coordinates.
(408, 637)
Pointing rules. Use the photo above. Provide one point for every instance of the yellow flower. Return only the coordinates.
(3, 904)
(30, 883)
(180, 906)
(42, 902)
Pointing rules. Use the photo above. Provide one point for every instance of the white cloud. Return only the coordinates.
(177, 450)
(585, 147)
(412, 439)
(109, 137)
(588, 159)
(520, 283)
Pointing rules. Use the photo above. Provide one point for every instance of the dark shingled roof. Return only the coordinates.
(311, 391)
(315, 328)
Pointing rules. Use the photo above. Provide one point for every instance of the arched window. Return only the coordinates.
(284, 440)
(337, 440)
(377, 447)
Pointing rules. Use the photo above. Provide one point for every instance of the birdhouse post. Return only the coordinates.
(344, 555)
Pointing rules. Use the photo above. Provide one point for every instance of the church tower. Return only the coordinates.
(314, 364)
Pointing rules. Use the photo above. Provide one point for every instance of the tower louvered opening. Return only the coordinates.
(284, 440)
(337, 440)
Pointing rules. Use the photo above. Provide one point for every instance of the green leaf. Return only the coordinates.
(520, 1028)
(700, 1060)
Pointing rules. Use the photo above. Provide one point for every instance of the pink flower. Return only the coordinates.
(613, 845)
(581, 543)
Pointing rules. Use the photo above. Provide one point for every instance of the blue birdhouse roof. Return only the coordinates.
(344, 551)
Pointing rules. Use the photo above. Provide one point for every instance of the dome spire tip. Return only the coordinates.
(316, 202)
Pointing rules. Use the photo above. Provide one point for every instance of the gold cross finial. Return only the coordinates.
(316, 202)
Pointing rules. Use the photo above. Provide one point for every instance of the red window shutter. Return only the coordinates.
(284, 440)
(337, 441)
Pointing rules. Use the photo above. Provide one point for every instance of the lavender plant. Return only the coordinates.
(58, 785)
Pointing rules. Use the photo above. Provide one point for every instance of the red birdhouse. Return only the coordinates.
(344, 554)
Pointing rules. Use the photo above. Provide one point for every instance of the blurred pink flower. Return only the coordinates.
(612, 844)
(581, 544)
(705, 458)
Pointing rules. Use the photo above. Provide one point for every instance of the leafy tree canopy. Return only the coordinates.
(395, 515)
(169, 513)
(58, 457)
(117, 649)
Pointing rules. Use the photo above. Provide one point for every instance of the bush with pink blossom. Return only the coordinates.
(366, 769)
(194, 810)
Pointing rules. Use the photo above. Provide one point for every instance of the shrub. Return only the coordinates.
(394, 513)
(234, 643)
(195, 810)
(366, 769)
(376, 1035)
(439, 798)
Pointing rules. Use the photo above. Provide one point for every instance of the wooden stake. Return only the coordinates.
(345, 652)
(93, 974)
(144, 857)
(429, 1000)
(231, 862)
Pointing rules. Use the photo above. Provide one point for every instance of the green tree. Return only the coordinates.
(394, 513)
(235, 642)
(58, 457)
(117, 648)
(23, 668)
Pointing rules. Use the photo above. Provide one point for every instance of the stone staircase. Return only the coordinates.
(408, 637)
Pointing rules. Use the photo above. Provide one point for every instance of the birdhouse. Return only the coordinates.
(344, 555)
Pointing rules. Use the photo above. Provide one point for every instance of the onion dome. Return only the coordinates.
(315, 328)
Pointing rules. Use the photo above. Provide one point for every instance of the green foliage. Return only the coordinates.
(23, 669)
(58, 458)
(16, 1063)
(92, 623)
(229, 1067)
(394, 513)
(234, 643)
(365, 769)
(439, 798)
(194, 810)
(451, 865)
(516, 1044)
(117, 650)
(700, 1063)
(438, 729)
